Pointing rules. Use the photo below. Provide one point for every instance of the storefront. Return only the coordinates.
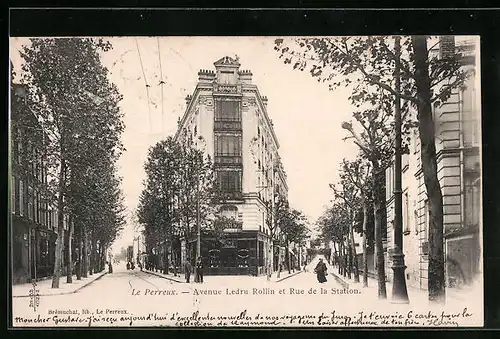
(235, 253)
(21, 270)
(33, 251)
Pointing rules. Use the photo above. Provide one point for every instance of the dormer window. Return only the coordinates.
(227, 77)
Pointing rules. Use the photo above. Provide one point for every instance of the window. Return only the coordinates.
(228, 145)
(21, 198)
(389, 183)
(229, 212)
(229, 181)
(195, 130)
(35, 207)
(405, 162)
(227, 110)
(427, 219)
(13, 195)
(19, 146)
(30, 203)
(472, 201)
(227, 77)
(258, 131)
(406, 214)
(49, 219)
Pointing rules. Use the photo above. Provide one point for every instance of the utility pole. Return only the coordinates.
(399, 292)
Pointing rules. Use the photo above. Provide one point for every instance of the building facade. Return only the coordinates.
(458, 141)
(227, 118)
(34, 215)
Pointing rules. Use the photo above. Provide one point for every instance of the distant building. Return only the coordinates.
(227, 118)
(458, 141)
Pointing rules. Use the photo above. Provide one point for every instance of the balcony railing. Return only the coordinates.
(227, 89)
(235, 195)
(227, 126)
(228, 160)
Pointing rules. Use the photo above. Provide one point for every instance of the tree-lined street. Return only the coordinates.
(213, 197)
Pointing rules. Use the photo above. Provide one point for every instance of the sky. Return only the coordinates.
(307, 116)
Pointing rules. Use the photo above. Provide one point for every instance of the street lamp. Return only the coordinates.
(399, 291)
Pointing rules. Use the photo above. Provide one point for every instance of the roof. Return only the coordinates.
(227, 61)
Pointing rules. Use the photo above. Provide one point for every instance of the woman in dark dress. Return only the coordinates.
(320, 271)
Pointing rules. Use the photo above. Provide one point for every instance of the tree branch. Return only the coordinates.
(373, 79)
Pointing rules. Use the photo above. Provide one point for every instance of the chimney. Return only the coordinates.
(188, 99)
(245, 76)
(446, 46)
(206, 75)
(264, 100)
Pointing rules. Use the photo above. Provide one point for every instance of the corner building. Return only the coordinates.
(227, 117)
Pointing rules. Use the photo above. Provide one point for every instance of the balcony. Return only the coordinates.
(227, 89)
(235, 195)
(227, 126)
(228, 160)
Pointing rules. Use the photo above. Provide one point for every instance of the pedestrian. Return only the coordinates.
(110, 267)
(320, 271)
(187, 270)
(199, 270)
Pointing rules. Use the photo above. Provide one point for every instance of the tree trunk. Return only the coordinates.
(353, 246)
(270, 259)
(335, 254)
(60, 228)
(349, 256)
(174, 260)
(379, 248)
(436, 272)
(341, 259)
(165, 259)
(85, 254)
(69, 264)
(80, 255)
(92, 268)
(365, 255)
(289, 256)
(79, 258)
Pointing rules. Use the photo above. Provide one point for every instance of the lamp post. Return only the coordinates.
(399, 291)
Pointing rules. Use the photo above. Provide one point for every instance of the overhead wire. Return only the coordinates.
(145, 81)
(161, 84)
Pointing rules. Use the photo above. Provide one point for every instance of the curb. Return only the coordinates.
(289, 276)
(162, 276)
(340, 280)
(63, 293)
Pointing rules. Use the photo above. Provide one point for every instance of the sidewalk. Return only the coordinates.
(180, 277)
(414, 294)
(170, 276)
(44, 287)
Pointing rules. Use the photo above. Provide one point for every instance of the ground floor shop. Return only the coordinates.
(33, 251)
(237, 253)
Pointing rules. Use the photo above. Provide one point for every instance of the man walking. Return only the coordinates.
(187, 269)
(199, 270)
